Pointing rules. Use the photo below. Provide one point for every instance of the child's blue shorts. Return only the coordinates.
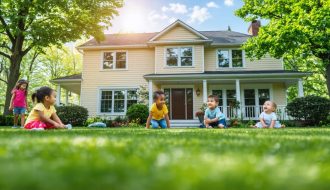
(215, 124)
(19, 110)
(156, 123)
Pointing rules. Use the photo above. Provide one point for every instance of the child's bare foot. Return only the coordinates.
(209, 127)
(253, 126)
(283, 126)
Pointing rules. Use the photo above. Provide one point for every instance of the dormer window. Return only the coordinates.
(230, 58)
(179, 56)
(114, 60)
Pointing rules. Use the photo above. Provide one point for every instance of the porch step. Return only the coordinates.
(184, 123)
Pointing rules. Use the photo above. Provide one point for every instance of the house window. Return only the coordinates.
(249, 97)
(179, 57)
(117, 101)
(229, 58)
(223, 58)
(231, 97)
(237, 58)
(106, 101)
(263, 95)
(219, 94)
(114, 60)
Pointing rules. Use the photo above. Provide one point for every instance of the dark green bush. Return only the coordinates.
(310, 109)
(7, 120)
(138, 113)
(75, 115)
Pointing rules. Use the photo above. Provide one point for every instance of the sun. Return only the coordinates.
(133, 19)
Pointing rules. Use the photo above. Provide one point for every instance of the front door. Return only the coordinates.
(181, 103)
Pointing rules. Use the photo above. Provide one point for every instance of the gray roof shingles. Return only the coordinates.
(218, 37)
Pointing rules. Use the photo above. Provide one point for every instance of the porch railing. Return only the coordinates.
(253, 112)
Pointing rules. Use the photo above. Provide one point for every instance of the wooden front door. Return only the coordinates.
(181, 103)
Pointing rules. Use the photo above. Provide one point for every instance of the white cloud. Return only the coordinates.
(212, 4)
(199, 14)
(171, 20)
(153, 16)
(176, 8)
(229, 2)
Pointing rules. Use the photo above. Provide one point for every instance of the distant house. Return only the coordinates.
(187, 65)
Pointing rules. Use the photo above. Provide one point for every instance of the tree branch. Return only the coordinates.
(3, 80)
(11, 37)
(27, 49)
(5, 55)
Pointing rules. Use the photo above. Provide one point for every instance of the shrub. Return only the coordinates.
(7, 120)
(119, 122)
(138, 112)
(75, 115)
(311, 109)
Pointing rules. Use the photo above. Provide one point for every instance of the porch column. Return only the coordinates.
(58, 96)
(238, 97)
(204, 91)
(300, 88)
(150, 93)
(66, 97)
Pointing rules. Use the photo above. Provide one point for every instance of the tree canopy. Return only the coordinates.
(36, 24)
(296, 28)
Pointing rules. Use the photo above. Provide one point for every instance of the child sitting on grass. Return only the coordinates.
(268, 118)
(43, 115)
(158, 115)
(213, 116)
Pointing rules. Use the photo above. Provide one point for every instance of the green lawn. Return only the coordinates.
(184, 159)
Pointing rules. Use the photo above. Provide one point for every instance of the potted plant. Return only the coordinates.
(234, 105)
(200, 113)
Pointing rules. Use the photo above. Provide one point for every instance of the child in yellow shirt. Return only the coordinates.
(43, 115)
(158, 115)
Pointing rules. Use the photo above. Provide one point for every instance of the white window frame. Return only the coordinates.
(256, 93)
(179, 57)
(114, 60)
(230, 58)
(113, 100)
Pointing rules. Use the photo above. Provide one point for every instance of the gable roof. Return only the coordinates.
(142, 39)
(121, 40)
(184, 25)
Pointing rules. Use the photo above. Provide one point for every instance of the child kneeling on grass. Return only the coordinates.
(268, 118)
(213, 116)
(43, 115)
(158, 115)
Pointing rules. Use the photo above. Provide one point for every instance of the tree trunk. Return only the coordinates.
(327, 71)
(12, 79)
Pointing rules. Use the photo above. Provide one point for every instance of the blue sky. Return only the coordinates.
(154, 15)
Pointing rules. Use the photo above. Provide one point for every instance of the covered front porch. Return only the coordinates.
(188, 92)
(70, 86)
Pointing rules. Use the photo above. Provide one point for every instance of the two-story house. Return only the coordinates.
(188, 65)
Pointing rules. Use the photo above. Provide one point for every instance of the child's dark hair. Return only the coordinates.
(157, 94)
(41, 93)
(20, 83)
(215, 97)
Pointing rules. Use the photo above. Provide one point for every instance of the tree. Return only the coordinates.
(295, 28)
(29, 24)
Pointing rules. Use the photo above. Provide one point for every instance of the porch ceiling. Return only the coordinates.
(71, 83)
(265, 75)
